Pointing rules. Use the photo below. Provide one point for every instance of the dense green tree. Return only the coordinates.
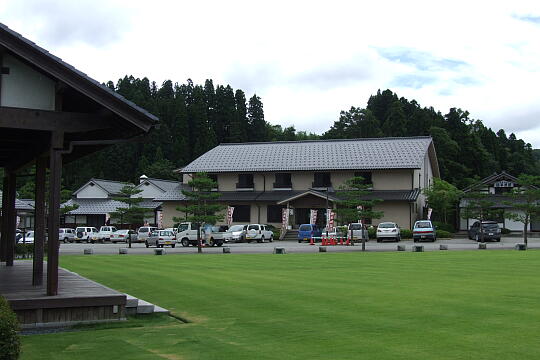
(257, 126)
(442, 197)
(526, 200)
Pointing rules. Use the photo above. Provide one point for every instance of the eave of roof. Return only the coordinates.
(76, 79)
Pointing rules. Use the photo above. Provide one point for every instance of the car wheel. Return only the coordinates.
(173, 245)
(378, 240)
(146, 244)
(476, 238)
(65, 240)
(220, 243)
(212, 243)
(185, 242)
(271, 239)
(299, 241)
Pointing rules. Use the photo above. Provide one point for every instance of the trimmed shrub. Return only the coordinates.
(443, 234)
(505, 231)
(24, 250)
(10, 344)
(372, 233)
(406, 234)
(446, 227)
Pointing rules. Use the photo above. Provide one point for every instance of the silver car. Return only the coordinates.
(236, 233)
(66, 235)
(388, 231)
(160, 238)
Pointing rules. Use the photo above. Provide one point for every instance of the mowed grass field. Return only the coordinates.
(433, 305)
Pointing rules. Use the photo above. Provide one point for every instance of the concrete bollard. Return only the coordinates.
(279, 250)
(88, 251)
(443, 247)
(482, 246)
(226, 250)
(159, 251)
(418, 248)
(521, 247)
(401, 248)
(122, 251)
(322, 248)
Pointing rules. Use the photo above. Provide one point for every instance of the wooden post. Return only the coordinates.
(39, 222)
(4, 229)
(54, 212)
(11, 215)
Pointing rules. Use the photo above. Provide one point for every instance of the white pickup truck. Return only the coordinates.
(259, 233)
(186, 234)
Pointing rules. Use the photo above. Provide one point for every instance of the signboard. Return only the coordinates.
(313, 217)
(504, 183)
(160, 219)
(230, 212)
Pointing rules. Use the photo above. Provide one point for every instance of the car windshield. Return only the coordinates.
(355, 227)
(182, 227)
(143, 230)
(305, 228)
(165, 233)
(423, 224)
(236, 228)
(387, 225)
(490, 225)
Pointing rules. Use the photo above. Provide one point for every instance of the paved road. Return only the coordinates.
(294, 247)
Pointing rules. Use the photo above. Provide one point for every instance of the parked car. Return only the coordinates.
(333, 232)
(424, 230)
(105, 232)
(187, 234)
(259, 233)
(143, 232)
(66, 235)
(86, 233)
(123, 236)
(160, 238)
(490, 229)
(358, 231)
(308, 231)
(388, 231)
(28, 238)
(214, 235)
(236, 233)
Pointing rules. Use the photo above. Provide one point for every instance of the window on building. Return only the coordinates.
(242, 213)
(322, 180)
(283, 180)
(365, 175)
(274, 213)
(245, 181)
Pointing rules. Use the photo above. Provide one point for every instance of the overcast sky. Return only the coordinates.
(310, 59)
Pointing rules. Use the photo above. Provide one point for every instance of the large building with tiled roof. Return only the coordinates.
(261, 179)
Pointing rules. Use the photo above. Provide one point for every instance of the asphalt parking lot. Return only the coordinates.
(295, 247)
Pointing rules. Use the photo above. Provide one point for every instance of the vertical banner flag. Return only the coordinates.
(330, 216)
(230, 212)
(332, 219)
(360, 208)
(160, 219)
(313, 217)
(429, 210)
(285, 218)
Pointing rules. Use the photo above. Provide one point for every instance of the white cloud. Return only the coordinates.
(310, 59)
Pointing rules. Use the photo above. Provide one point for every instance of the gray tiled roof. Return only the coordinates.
(103, 206)
(355, 154)
(174, 194)
(20, 204)
(111, 187)
(164, 185)
(78, 72)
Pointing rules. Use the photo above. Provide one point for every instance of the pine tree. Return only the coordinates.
(257, 125)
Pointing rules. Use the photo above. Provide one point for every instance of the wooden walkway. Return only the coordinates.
(79, 299)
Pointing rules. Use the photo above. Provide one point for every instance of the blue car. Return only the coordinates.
(424, 230)
(307, 231)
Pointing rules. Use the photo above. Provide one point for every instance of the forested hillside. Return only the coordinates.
(195, 118)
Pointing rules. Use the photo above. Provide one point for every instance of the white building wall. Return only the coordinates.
(25, 87)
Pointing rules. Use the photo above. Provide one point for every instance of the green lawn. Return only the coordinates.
(433, 305)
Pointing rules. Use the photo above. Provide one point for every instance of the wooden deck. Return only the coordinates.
(79, 299)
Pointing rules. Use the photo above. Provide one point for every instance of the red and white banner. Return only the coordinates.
(313, 217)
(284, 218)
(330, 218)
(230, 212)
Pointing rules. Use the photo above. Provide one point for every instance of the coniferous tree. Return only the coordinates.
(257, 125)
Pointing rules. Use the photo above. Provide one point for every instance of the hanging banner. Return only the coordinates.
(230, 212)
(313, 217)
(429, 211)
(285, 218)
(332, 219)
(160, 219)
(360, 208)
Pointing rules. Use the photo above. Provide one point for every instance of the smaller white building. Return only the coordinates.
(498, 186)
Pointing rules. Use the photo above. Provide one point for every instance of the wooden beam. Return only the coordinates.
(39, 221)
(55, 178)
(11, 215)
(70, 122)
(4, 229)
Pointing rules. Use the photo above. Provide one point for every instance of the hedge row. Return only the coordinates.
(10, 344)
